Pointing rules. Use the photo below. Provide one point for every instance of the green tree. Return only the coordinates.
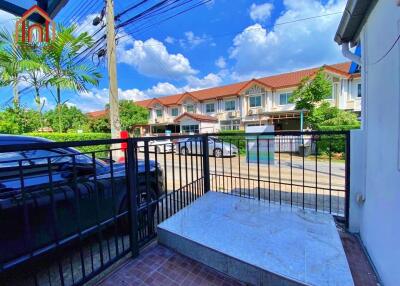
(72, 118)
(13, 63)
(67, 72)
(100, 125)
(311, 91)
(311, 95)
(35, 74)
(19, 120)
(131, 114)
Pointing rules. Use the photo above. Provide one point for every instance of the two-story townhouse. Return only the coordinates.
(254, 102)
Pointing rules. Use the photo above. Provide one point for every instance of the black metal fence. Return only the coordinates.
(65, 216)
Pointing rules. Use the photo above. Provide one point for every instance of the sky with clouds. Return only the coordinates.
(222, 42)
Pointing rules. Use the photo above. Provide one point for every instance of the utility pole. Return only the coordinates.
(112, 71)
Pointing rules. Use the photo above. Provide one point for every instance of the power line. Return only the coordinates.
(388, 51)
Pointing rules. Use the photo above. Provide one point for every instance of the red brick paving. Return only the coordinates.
(157, 265)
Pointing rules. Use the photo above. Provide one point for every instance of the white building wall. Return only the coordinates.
(379, 216)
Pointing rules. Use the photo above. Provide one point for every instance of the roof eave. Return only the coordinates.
(352, 21)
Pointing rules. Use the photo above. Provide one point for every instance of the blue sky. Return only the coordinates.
(222, 42)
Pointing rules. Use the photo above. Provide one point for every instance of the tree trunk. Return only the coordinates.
(39, 105)
(59, 109)
(16, 96)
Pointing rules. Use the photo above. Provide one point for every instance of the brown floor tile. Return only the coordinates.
(362, 271)
(157, 265)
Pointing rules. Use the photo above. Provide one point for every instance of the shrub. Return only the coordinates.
(330, 144)
(68, 137)
(236, 137)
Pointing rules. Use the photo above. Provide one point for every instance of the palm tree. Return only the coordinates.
(65, 71)
(11, 64)
(36, 72)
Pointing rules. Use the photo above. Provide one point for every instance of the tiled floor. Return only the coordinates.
(363, 274)
(158, 266)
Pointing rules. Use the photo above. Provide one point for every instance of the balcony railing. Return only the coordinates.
(67, 214)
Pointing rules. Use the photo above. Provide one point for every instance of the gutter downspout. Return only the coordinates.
(346, 52)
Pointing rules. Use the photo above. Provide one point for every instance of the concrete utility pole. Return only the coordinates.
(112, 71)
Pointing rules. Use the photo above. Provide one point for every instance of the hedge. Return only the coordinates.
(67, 137)
(237, 138)
(330, 144)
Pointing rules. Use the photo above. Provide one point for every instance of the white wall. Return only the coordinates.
(380, 214)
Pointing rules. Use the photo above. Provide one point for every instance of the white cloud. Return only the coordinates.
(220, 62)
(96, 99)
(289, 46)
(191, 40)
(261, 12)
(209, 80)
(151, 58)
(169, 40)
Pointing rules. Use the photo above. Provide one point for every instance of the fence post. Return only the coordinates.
(206, 164)
(347, 181)
(132, 182)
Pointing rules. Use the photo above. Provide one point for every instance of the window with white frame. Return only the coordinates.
(210, 107)
(359, 90)
(190, 108)
(230, 105)
(159, 112)
(230, 124)
(255, 101)
(284, 98)
(193, 128)
(174, 111)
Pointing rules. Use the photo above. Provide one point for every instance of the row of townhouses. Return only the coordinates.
(250, 103)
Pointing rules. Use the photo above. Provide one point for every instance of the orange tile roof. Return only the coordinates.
(195, 116)
(274, 82)
(98, 114)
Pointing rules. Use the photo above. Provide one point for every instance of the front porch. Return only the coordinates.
(222, 239)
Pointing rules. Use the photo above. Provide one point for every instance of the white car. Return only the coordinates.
(159, 146)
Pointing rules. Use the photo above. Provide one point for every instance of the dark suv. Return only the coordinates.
(42, 204)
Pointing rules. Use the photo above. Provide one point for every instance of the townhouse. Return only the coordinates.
(249, 103)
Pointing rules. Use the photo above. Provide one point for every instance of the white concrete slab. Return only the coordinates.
(301, 245)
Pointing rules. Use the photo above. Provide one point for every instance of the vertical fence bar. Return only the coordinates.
(206, 164)
(131, 193)
(347, 181)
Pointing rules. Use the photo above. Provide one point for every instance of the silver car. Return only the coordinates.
(216, 147)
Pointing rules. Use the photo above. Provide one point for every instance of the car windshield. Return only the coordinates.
(40, 157)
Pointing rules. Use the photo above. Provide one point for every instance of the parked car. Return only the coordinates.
(29, 220)
(216, 147)
(159, 146)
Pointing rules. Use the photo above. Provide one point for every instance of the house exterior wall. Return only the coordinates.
(379, 160)
(345, 97)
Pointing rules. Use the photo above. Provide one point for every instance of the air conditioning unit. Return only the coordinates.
(231, 114)
(260, 111)
(251, 112)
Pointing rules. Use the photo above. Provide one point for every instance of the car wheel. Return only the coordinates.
(218, 153)
(184, 151)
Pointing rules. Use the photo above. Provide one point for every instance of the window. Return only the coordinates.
(175, 111)
(210, 107)
(255, 101)
(159, 112)
(190, 108)
(230, 105)
(230, 125)
(359, 90)
(284, 98)
(190, 128)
